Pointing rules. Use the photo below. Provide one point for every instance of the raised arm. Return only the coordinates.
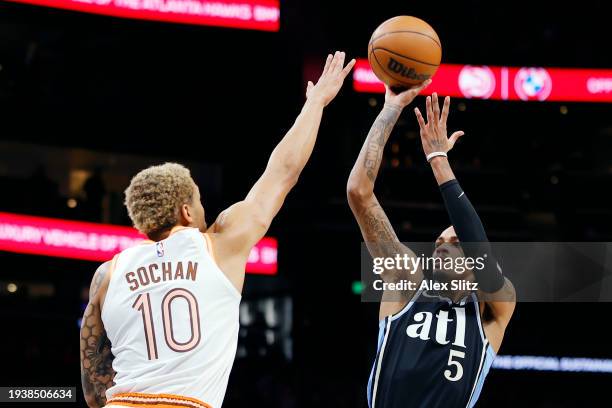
(496, 291)
(242, 225)
(374, 224)
(96, 358)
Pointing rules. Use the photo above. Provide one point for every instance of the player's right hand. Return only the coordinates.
(433, 132)
(403, 99)
(331, 80)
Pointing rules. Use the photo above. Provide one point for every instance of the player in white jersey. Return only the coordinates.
(161, 326)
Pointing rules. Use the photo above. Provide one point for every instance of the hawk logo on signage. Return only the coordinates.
(501, 83)
(533, 84)
(477, 82)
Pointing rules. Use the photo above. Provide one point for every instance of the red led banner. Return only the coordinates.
(506, 83)
(249, 14)
(263, 257)
(97, 242)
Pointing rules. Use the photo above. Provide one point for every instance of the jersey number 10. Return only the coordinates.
(143, 305)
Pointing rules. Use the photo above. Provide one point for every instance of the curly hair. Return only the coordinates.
(155, 195)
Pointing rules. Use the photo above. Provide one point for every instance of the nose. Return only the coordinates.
(441, 251)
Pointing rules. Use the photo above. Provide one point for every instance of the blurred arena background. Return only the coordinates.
(88, 100)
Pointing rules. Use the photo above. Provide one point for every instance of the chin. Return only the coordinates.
(443, 276)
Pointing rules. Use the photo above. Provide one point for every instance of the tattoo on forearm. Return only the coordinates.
(378, 232)
(381, 238)
(376, 225)
(377, 138)
(96, 357)
(376, 229)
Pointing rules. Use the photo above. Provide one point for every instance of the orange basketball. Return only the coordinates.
(404, 51)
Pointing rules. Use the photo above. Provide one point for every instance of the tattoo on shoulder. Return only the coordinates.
(98, 278)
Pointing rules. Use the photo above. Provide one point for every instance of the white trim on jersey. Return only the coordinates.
(112, 267)
(480, 326)
(220, 273)
(379, 365)
(405, 308)
(448, 300)
(480, 367)
(209, 312)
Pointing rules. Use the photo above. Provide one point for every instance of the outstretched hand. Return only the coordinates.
(405, 98)
(433, 133)
(331, 80)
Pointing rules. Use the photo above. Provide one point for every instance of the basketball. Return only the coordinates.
(404, 51)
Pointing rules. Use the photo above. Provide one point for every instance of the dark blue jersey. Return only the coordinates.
(433, 353)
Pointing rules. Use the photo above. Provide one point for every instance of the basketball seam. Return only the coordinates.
(385, 71)
(407, 31)
(403, 56)
(392, 76)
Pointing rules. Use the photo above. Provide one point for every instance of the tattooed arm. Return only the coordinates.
(376, 229)
(96, 358)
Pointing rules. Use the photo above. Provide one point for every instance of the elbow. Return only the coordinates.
(292, 175)
(357, 193)
(92, 401)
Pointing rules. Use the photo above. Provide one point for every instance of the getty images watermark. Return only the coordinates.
(406, 265)
(539, 271)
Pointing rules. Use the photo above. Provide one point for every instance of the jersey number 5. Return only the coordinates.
(143, 305)
(448, 373)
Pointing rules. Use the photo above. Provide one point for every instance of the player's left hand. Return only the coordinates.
(433, 133)
(403, 99)
(331, 80)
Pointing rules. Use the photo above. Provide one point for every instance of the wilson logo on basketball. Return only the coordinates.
(407, 72)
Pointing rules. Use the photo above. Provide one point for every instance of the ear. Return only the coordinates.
(186, 215)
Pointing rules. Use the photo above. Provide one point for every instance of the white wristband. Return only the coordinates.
(435, 154)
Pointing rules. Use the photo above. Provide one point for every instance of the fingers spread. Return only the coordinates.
(419, 118)
(424, 85)
(327, 63)
(340, 63)
(455, 136)
(436, 107)
(334, 63)
(348, 68)
(445, 110)
(429, 109)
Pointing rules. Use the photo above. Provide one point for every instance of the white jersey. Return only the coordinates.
(172, 317)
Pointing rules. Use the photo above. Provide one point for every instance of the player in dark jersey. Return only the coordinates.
(435, 347)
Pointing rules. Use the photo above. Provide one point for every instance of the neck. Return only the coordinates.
(454, 295)
(161, 235)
